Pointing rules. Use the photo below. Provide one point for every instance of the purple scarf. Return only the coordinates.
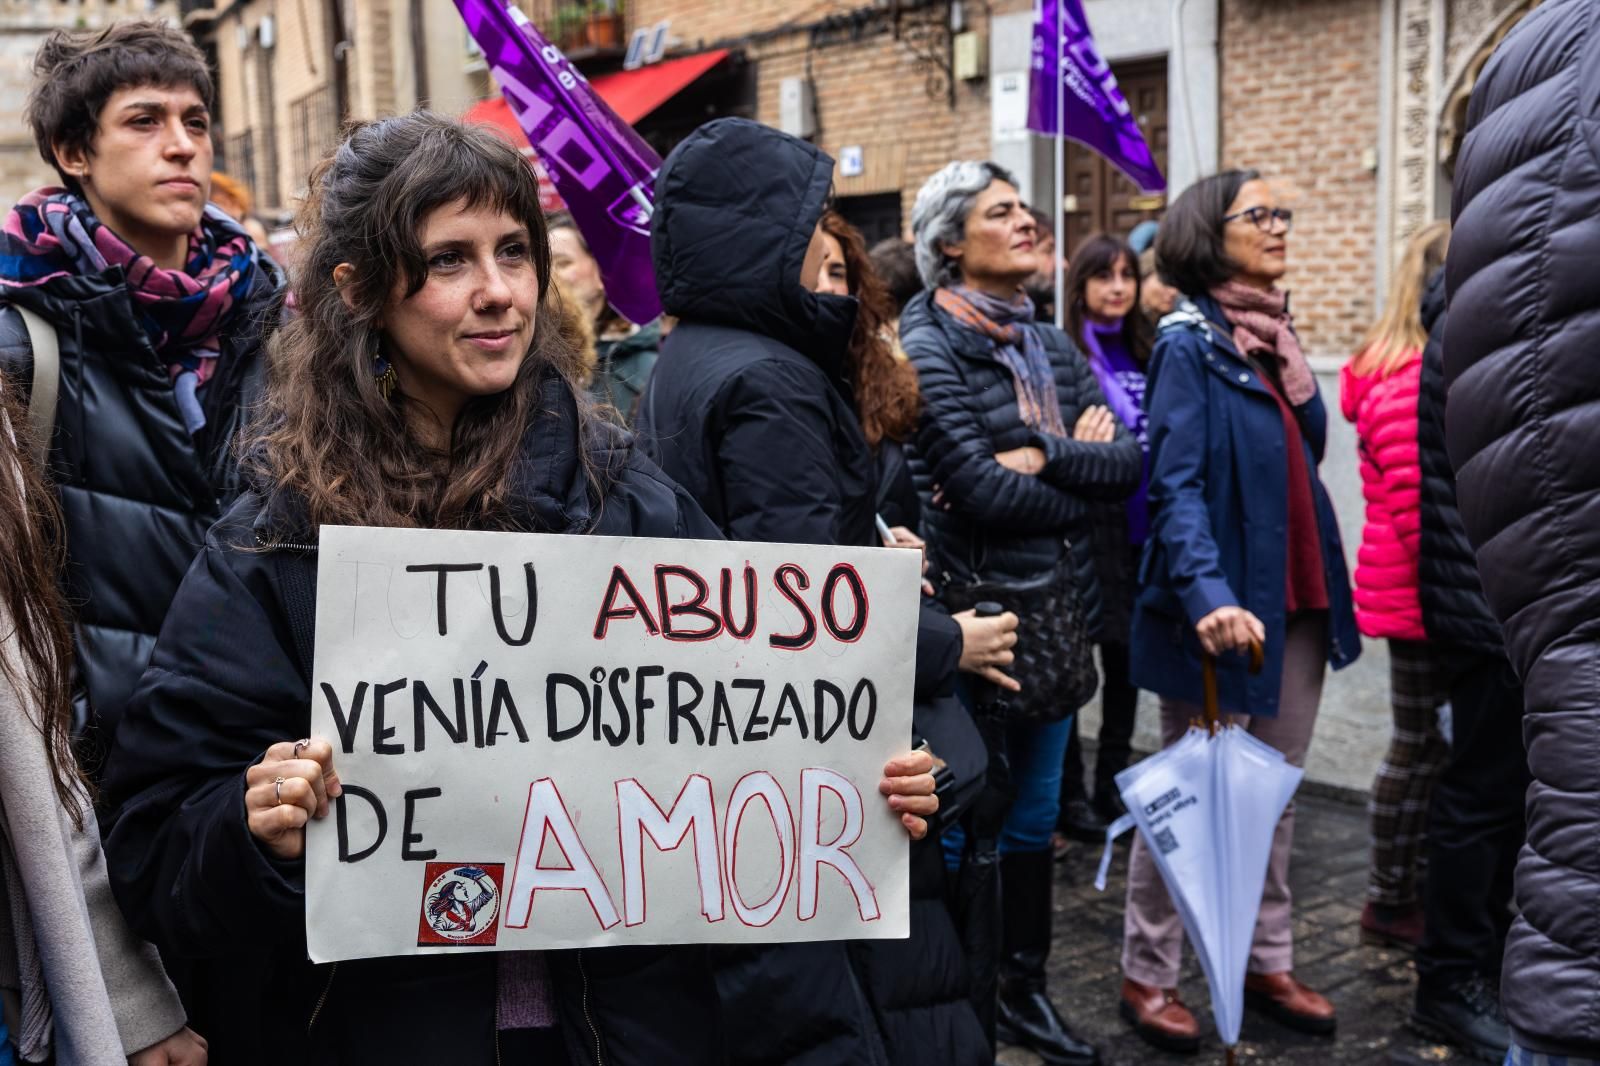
(1123, 386)
(1128, 408)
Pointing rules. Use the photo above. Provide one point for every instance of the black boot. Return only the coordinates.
(1079, 822)
(1027, 1017)
(1108, 804)
(1465, 1014)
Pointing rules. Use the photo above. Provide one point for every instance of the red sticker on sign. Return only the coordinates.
(460, 904)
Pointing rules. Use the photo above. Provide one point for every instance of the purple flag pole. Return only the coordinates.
(1060, 211)
(601, 167)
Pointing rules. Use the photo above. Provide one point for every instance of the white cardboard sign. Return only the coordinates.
(557, 742)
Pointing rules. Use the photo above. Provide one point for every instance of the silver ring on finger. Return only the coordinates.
(277, 790)
(301, 745)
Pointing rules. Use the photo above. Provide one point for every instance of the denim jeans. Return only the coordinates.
(1035, 752)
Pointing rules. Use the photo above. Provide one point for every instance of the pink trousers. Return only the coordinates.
(1152, 933)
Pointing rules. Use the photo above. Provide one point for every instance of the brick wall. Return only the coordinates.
(871, 92)
(1302, 107)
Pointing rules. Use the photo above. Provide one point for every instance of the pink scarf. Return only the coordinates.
(1263, 329)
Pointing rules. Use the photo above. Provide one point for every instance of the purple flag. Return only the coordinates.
(1097, 115)
(601, 167)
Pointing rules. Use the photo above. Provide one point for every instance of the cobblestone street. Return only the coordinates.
(1371, 986)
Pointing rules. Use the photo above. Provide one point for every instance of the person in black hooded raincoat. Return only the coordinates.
(751, 410)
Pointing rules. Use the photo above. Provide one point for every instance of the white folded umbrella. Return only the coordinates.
(1207, 808)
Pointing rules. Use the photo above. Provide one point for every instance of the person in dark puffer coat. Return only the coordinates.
(1521, 425)
(1016, 437)
(156, 378)
(751, 409)
(1475, 824)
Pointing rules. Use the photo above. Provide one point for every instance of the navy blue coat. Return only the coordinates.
(1218, 513)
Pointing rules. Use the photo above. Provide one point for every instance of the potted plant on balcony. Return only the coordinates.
(569, 26)
(604, 26)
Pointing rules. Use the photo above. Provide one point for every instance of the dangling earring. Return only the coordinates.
(382, 370)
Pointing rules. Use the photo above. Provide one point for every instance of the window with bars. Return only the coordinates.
(239, 161)
(313, 131)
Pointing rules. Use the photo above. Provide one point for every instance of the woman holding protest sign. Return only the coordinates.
(1017, 440)
(423, 384)
(1243, 549)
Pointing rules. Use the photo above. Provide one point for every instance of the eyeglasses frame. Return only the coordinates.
(1273, 215)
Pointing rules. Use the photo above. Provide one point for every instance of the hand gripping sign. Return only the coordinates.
(556, 742)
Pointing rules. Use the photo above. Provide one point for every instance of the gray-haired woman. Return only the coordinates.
(1017, 438)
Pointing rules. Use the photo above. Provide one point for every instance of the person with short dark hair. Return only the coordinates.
(896, 263)
(1244, 550)
(156, 300)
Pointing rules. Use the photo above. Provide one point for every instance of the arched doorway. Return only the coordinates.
(1452, 124)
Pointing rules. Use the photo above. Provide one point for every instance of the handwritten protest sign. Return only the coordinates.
(554, 742)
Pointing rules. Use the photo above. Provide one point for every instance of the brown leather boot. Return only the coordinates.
(1280, 996)
(1158, 1016)
(1393, 928)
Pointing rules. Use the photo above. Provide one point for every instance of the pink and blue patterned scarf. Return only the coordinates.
(52, 233)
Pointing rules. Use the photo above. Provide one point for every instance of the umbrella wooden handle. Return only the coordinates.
(1208, 678)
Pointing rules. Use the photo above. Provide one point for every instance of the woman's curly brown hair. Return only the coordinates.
(326, 432)
(887, 400)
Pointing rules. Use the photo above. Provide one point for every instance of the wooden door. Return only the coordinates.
(1099, 198)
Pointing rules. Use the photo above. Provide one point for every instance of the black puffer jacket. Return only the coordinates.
(751, 409)
(137, 491)
(1522, 363)
(1000, 525)
(229, 678)
(1453, 608)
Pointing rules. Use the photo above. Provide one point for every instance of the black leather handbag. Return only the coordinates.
(1054, 652)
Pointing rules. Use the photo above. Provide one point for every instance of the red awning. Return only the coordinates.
(632, 94)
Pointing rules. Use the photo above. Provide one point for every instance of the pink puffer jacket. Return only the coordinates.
(1384, 411)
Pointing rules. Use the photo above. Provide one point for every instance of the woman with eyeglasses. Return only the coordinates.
(1243, 548)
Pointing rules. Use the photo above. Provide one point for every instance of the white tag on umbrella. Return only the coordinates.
(1113, 831)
